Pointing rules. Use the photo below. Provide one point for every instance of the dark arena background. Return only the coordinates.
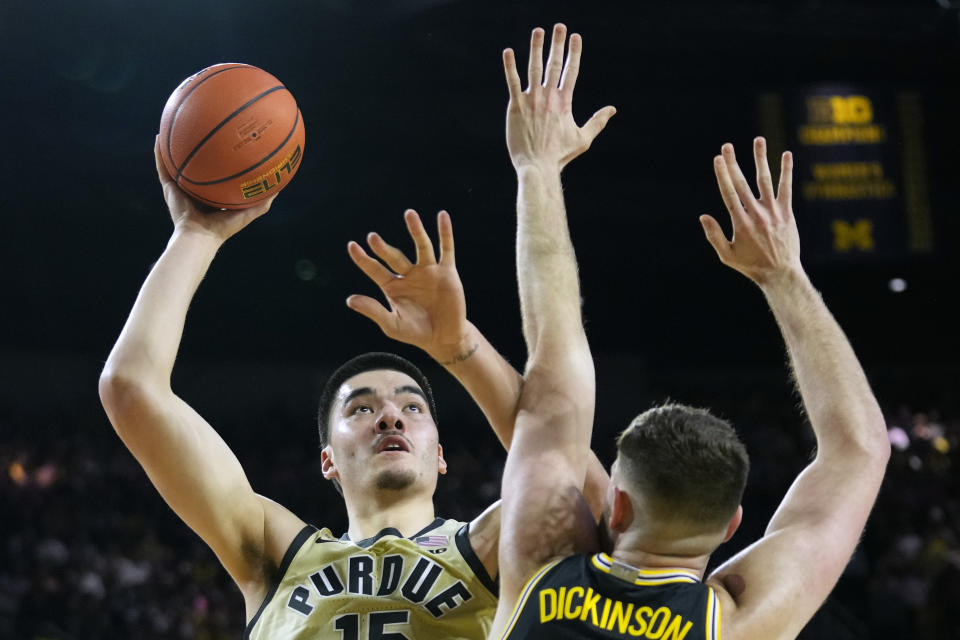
(404, 107)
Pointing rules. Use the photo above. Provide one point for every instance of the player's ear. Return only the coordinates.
(621, 510)
(327, 465)
(441, 463)
(734, 523)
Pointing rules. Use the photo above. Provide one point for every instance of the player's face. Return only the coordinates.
(382, 435)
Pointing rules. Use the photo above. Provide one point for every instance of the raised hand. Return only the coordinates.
(540, 124)
(427, 304)
(765, 241)
(187, 214)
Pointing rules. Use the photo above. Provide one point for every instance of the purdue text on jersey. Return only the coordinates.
(428, 585)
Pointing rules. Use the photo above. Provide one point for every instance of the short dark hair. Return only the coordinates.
(689, 464)
(372, 361)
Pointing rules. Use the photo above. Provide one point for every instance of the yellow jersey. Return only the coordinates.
(430, 585)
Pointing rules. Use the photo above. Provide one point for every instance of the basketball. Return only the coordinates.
(231, 136)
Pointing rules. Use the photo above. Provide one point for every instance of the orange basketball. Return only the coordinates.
(231, 136)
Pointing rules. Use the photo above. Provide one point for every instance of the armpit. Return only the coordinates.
(734, 584)
(564, 525)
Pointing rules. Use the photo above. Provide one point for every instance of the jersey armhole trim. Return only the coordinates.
(525, 594)
(713, 615)
(462, 539)
(291, 552)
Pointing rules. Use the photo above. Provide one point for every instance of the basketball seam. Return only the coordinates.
(206, 200)
(293, 130)
(210, 202)
(176, 113)
(202, 142)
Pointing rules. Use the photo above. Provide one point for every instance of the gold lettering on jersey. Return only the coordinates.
(569, 611)
(590, 607)
(624, 618)
(605, 614)
(384, 577)
(548, 605)
(620, 616)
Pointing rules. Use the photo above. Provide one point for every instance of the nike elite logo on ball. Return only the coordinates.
(272, 179)
(231, 136)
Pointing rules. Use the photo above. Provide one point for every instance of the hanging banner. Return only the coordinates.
(859, 173)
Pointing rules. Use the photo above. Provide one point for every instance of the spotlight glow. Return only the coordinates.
(898, 285)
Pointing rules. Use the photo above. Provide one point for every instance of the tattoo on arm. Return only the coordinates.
(462, 356)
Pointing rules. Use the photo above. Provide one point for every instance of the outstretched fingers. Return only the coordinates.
(738, 181)
(393, 257)
(445, 231)
(715, 236)
(555, 59)
(370, 267)
(370, 308)
(764, 181)
(425, 253)
(511, 75)
(535, 63)
(728, 192)
(785, 188)
(572, 67)
(592, 128)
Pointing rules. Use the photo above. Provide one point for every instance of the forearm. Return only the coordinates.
(839, 402)
(558, 389)
(546, 265)
(492, 382)
(148, 344)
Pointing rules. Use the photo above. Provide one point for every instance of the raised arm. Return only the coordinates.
(186, 460)
(771, 589)
(427, 309)
(543, 510)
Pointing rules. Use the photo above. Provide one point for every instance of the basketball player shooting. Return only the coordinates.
(400, 571)
(679, 475)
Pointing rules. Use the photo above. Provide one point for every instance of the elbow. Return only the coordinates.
(109, 389)
(870, 443)
(115, 389)
(559, 381)
(876, 456)
(883, 449)
(876, 453)
(559, 396)
(855, 436)
(878, 444)
(123, 395)
(550, 403)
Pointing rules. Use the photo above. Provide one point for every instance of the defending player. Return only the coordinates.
(399, 572)
(679, 475)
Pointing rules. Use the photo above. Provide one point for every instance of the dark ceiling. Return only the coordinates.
(403, 106)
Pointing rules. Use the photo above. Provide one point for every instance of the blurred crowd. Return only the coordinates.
(88, 550)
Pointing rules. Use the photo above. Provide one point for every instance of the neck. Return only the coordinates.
(648, 555)
(373, 512)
